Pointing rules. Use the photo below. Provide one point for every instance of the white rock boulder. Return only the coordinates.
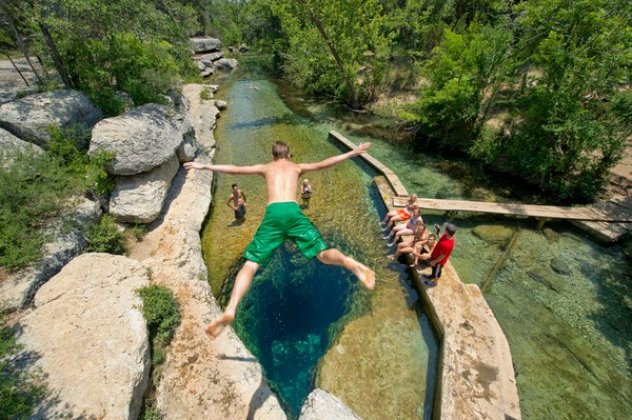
(31, 117)
(226, 64)
(322, 405)
(141, 139)
(90, 340)
(139, 199)
(205, 44)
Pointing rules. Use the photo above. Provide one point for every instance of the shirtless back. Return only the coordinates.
(281, 174)
(283, 220)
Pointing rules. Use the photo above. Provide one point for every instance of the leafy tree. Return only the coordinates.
(573, 115)
(464, 75)
(335, 48)
(138, 47)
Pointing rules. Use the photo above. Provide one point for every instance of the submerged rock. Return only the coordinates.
(322, 405)
(560, 267)
(88, 337)
(544, 277)
(492, 233)
(550, 235)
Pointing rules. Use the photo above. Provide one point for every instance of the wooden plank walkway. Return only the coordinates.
(608, 221)
(600, 212)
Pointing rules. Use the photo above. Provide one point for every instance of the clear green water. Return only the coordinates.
(570, 333)
(298, 311)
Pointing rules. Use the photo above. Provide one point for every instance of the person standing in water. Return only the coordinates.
(238, 199)
(306, 192)
(283, 220)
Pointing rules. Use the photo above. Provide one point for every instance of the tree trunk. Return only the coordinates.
(54, 52)
(323, 33)
(18, 70)
(21, 45)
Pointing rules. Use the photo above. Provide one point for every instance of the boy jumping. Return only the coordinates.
(283, 220)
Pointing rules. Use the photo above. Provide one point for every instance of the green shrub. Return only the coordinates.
(36, 188)
(161, 312)
(105, 237)
(138, 231)
(18, 392)
(205, 94)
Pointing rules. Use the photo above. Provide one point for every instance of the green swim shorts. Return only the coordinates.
(282, 221)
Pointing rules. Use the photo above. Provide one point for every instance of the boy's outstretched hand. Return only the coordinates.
(362, 148)
(193, 165)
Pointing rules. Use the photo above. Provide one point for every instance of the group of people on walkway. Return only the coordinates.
(426, 247)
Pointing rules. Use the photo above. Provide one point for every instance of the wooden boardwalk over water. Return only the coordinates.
(609, 211)
(607, 221)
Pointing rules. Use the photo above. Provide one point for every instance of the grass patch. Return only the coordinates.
(162, 313)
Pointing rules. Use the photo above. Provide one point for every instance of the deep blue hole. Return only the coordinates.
(288, 320)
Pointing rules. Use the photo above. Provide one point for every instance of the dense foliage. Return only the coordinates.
(36, 188)
(539, 89)
(138, 47)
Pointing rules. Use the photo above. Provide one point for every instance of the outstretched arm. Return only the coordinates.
(227, 169)
(307, 167)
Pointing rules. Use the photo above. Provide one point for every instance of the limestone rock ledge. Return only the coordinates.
(322, 405)
(201, 378)
(88, 336)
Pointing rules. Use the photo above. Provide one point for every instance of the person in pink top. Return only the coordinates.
(441, 254)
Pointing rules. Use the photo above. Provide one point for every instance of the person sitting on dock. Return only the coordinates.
(405, 229)
(440, 254)
(399, 215)
(283, 220)
(407, 245)
(423, 249)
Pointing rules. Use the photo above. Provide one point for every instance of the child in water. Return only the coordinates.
(306, 192)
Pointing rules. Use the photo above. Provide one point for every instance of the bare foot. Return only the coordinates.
(391, 257)
(364, 274)
(217, 325)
